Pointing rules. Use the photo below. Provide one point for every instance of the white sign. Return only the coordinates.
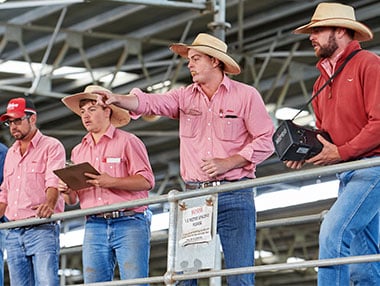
(196, 225)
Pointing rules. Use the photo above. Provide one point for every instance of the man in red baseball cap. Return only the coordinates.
(30, 189)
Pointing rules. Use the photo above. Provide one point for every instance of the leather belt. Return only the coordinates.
(203, 185)
(115, 214)
(209, 184)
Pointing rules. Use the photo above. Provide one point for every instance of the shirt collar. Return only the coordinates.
(330, 64)
(36, 138)
(226, 82)
(353, 45)
(109, 133)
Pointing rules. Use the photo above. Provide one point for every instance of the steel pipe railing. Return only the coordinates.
(174, 196)
(257, 182)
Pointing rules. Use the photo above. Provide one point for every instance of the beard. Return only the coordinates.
(18, 135)
(21, 134)
(329, 49)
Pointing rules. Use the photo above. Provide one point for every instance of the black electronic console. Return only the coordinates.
(295, 143)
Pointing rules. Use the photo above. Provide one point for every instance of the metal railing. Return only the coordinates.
(170, 277)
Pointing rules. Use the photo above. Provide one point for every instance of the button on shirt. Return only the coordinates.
(27, 177)
(119, 154)
(233, 121)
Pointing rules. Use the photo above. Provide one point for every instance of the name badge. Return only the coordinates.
(113, 160)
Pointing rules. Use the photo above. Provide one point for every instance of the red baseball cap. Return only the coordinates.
(17, 108)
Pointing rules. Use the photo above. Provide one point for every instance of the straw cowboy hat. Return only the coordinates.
(119, 116)
(336, 15)
(211, 46)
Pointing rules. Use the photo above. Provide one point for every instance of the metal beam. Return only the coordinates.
(200, 5)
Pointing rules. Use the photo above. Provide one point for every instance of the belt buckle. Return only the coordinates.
(109, 215)
(209, 184)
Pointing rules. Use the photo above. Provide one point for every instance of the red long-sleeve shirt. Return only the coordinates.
(349, 108)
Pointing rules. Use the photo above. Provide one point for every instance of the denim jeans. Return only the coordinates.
(124, 240)
(2, 234)
(33, 255)
(351, 228)
(237, 231)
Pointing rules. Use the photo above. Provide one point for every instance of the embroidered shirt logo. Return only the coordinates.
(350, 79)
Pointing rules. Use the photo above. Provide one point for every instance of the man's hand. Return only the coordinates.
(43, 211)
(104, 97)
(69, 195)
(63, 188)
(218, 166)
(129, 101)
(328, 156)
(294, 164)
(103, 180)
(215, 166)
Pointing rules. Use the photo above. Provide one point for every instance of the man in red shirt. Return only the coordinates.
(349, 110)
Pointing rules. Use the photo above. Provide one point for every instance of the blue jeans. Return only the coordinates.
(124, 240)
(2, 234)
(350, 228)
(33, 255)
(237, 231)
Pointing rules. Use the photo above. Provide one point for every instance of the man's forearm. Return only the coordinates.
(129, 102)
(3, 206)
(52, 197)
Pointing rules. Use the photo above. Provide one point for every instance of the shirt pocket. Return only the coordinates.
(114, 169)
(35, 177)
(8, 172)
(190, 123)
(229, 129)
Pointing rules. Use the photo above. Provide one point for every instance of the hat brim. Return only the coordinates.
(120, 117)
(230, 66)
(8, 115)
(363, 33)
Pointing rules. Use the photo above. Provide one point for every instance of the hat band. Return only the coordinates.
(334, 18)
(207, 46)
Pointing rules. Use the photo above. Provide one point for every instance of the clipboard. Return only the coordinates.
(74, 176)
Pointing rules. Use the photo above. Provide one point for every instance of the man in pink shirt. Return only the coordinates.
(225, 132)
(125, 174)
(30, 190)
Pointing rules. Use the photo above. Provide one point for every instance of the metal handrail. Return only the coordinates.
(174, 196)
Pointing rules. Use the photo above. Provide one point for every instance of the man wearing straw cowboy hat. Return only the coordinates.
(121, 158)
(349, 110)
(225, 132)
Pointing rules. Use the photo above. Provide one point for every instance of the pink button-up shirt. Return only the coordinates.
(27, 177)
(119, 154)
(234, 121)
